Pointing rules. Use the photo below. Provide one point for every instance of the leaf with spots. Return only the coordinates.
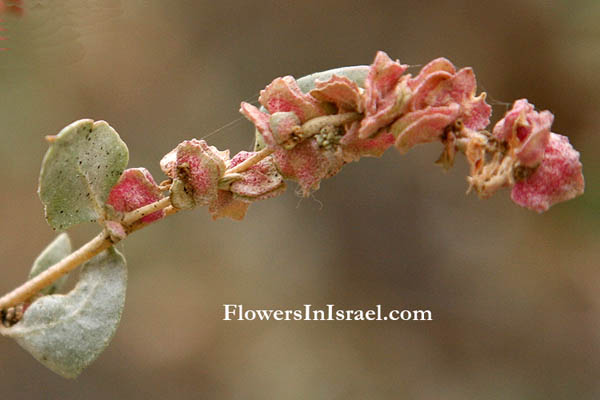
(66, 333)
(56, 251)
(81, 166)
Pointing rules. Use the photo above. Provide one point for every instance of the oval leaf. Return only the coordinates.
(56, 251)
(357, 74)
(83, 163)
(67, 332)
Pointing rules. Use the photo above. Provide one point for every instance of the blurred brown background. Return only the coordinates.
(515, 295)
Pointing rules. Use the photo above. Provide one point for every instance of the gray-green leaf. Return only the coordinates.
(56, 251)
(356, 73)
(83, 163)
(67, 332)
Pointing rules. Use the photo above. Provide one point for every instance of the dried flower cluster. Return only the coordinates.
(310, 136)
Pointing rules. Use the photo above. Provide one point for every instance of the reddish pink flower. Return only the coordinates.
(439, 96)
(199, 166)
(385, 95)
(408, 110)
(526, 131)
(353, 148)
(377, 103)
(260, 181)
(340, 91)
(134, 189)
(423, 126)
(307, 162)
(282, 125)
(558, 178)
(439, 85)
(284, 94)
(317, 157)
(260, 120)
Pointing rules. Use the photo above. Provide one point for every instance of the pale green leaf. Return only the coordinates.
(67, 332)
(83, 163)
(56, 251)
(358, 74)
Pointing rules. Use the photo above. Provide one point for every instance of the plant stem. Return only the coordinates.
(131, 220)
(241, 167)
(31, 287)
(92, 248)
(314, 126)
(141, 212)
(308, 129)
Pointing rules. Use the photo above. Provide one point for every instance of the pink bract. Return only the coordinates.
(225, 205)
(438, 85)
(134, 189)
(260, 120)
(284, 94)
(439, 104)
(354, 148)
(558, 178)
(526, 131)
(384, 96)
(200, 166)
(308, 164)
(423, 126)
(340, 91)
(261, 181)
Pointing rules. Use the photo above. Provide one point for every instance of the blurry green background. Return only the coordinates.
(515, 295)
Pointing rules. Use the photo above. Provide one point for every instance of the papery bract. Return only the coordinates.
(385, 96)
(439, 104)
(438, 84)
(423, 126)
(526, 131)
(168, 164)
(558, 177)
(282, 125)
(135, 188)
(354, 148)
(199, 167)
(283, 94)
(260, 120)
(308, 164)
(258, 182)
(340, 91)
(226, 205)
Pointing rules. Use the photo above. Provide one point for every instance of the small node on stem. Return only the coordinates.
(243, 166)
(12, 315)
(227, 179)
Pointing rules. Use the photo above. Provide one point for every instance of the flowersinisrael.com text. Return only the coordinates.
(236, 312)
